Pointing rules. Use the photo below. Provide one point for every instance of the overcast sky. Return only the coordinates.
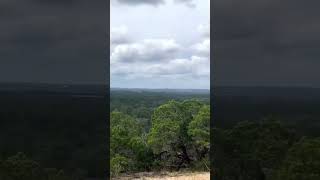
(160, 44)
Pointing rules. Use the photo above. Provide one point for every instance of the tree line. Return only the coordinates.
(179, 137)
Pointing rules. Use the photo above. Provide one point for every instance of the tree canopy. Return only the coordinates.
(178, 137)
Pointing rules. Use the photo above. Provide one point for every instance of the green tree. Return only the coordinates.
(169, 137)
(199, 131)
(129, 150)
(118, 164)
(199, 128)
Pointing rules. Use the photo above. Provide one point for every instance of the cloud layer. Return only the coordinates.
(148, 50)
(160, 44)
(189, 3)
(139, 2)
(158, 58)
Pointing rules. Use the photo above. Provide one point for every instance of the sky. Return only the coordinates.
(160, 44)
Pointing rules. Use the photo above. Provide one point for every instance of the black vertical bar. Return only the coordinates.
(212, 103)
(108, 133)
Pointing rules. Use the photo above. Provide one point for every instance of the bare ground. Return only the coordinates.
(166, 176)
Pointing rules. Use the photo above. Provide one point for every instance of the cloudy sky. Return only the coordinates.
(160, 44)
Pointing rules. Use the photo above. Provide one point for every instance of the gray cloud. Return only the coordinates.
(158, 50)
(193, 68)
(158, 58)
(119, 35)
(148, 50)
(266, 42)
(189, 3)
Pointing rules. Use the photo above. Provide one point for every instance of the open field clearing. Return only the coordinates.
(166, 176)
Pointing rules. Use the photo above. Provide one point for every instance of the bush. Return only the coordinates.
(118, 164)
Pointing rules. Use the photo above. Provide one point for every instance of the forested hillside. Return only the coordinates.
(140, 104)
(271, 145)
(153, 131)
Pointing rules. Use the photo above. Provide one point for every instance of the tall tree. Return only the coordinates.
(169, 136)
(199, 131)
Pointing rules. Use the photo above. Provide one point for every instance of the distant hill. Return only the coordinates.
(197, 91)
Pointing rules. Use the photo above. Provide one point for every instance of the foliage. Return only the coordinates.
(128, 151)
(140, 104)
(118, 164)
(167, 143)
(174, 130)
(169, 137)
(199, 128)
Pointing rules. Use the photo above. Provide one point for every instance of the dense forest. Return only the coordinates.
(152, 131)
(54, 136)
(276, 142)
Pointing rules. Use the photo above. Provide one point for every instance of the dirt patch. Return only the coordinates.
(166, 176)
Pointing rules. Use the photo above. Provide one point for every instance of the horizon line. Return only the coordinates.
(159, 88)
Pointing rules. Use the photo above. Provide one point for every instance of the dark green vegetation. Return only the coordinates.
(266, 134)
(153, 130)
(61, 131)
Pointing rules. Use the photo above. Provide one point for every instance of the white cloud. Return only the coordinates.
(174, 67)
(200, 66)
(204, 29)
(149, 50)
(159, 49)
(118, 35)
(156, 58)
(195, 66)
(189, 3)
(202, 48)
(139, 2)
